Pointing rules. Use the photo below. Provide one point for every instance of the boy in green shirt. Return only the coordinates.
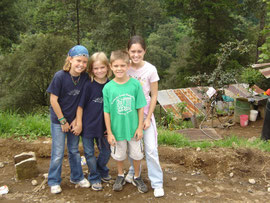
(123, 112)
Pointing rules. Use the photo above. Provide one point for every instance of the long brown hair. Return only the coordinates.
(136, 39)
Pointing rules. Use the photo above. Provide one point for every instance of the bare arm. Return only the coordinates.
(139, 132)
(111, 138)
(77, 125)
(57, 110)
(153, 102)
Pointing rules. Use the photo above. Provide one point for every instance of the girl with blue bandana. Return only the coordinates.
(65, 92)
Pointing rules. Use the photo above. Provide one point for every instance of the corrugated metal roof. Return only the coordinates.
(193, 97)
(265, 72)
(264, 69)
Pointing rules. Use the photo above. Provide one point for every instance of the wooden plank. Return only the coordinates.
(198, 135)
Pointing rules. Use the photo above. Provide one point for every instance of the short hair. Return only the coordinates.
(98, 56)
(119, 54)
(136, 39)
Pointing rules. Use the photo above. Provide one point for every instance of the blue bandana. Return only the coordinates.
(78, 50)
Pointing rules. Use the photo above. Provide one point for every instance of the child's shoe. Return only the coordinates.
(158, 192)
(56, 189)
(119, 182)
(129, 178)
(83, 183)
(97, 186)
(138, 182)
(106, 179)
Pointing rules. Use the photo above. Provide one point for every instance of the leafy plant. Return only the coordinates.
(251, 76)
(26, 126)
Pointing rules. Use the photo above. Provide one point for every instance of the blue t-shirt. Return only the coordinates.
(92, 103)
(68, 94)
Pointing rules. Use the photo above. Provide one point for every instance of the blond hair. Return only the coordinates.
(98, 56)
(119, 54)
(67, 65)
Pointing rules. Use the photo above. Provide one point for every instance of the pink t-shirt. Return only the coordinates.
(146, 75)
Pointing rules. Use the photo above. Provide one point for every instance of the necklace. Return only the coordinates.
(75, 82)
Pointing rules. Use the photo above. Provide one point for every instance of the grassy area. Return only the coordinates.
(172, 138)
(32, 126)
(28, 126)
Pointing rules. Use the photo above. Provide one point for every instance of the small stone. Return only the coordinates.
(34, 182)
(231, 174)
(180, 194)
(251, 181)
(167, 169)
(252, 139)
(198, 149)
(268, 189)
(188, 184)
(45, 175)
(2, 164)
(174, 178)
(43, 187)
(46, 142)
(199, 190)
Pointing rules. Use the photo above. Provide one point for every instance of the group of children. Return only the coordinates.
(115, 114)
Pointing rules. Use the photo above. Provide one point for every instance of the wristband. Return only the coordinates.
(61, 118)
(63, 121)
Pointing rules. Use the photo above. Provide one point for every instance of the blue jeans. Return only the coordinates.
(57, 155)
(155, 173)
(96, 166)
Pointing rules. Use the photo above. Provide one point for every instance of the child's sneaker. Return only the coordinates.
(138, 182)
(106, 179)
(56, 189)
(129, 178)
(119, 182)
(83, 183)
(97, 186)
(158, 192)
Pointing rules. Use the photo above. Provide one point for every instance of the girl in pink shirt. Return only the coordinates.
(147, 74)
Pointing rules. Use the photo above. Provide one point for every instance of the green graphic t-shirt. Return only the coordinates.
(121, 101)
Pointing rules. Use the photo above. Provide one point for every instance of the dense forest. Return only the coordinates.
(191, 42)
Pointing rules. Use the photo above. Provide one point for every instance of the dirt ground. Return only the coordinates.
(190, 175)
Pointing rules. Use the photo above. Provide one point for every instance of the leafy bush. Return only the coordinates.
(28, 71)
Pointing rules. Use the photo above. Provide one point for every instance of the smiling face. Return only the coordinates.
(100, 70)
(78, 65)
(136, 53)
(119, 68)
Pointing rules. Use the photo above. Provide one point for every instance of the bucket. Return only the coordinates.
(241, 107)
(253, 115)
(243, 120)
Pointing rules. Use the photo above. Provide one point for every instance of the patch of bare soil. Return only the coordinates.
(190, 175)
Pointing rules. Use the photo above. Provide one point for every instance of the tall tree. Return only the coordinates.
(112, 22)
(57, 17)
(265, 48)
(10, 26)
(27, 72)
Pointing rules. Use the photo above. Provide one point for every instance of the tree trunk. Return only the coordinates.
(78, 21)
(261, 37)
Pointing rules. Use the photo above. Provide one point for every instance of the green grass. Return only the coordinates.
(32, 126)
(28, 126)
(172, 138)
